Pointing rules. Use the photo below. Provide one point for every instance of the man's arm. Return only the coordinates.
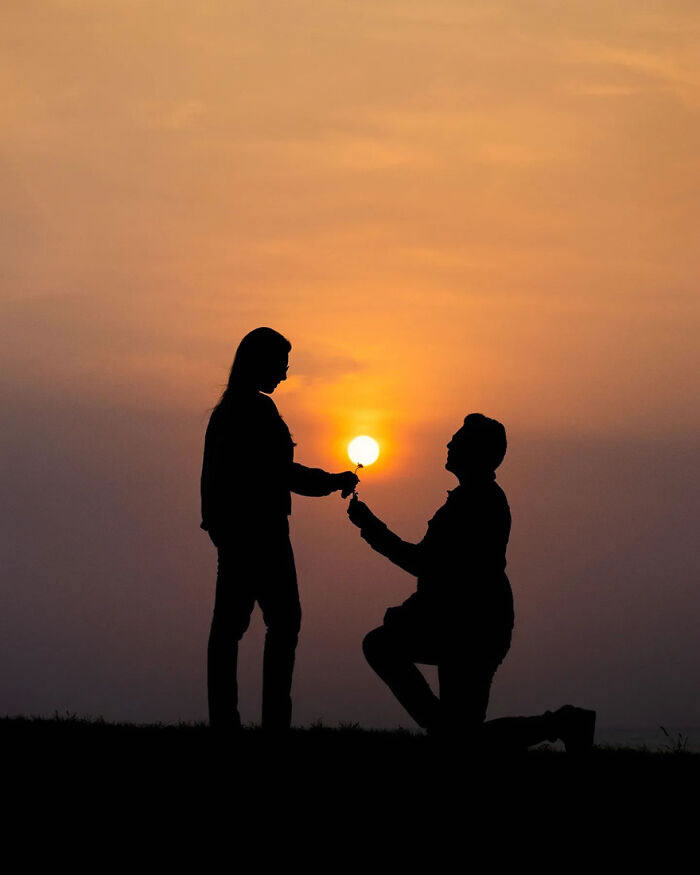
(377, 534)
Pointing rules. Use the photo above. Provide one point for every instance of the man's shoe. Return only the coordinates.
(575, 727)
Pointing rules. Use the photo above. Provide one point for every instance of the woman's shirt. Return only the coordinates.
(248, 468)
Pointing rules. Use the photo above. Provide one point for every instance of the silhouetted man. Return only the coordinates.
(461, 616)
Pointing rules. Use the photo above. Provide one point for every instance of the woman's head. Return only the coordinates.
(261, 361)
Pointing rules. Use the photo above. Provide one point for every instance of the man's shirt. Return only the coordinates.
(460, 563)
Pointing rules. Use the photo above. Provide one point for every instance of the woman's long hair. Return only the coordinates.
(258, 349)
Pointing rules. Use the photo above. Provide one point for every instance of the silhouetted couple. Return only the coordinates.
(460, 618)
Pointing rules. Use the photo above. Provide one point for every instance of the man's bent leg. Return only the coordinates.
(518, 733)
(391, 657)
(465, 685)
(465, 671)
(574, 726)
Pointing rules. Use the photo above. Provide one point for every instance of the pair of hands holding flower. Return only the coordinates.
(360, 515)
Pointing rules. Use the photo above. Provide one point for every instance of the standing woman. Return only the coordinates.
(247, 476)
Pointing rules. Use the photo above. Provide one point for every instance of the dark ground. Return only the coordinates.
(344, 761)
(180, 788)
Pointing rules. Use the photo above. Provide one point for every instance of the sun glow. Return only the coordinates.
(363, 450)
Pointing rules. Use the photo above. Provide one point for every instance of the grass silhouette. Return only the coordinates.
(316, 743)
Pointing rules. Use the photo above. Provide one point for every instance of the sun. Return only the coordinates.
(363, 450)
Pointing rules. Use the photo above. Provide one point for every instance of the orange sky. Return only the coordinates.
(446, 206)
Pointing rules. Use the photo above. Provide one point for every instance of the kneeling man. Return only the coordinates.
(461, 616)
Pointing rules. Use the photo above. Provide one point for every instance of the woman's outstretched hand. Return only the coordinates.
(346, 483)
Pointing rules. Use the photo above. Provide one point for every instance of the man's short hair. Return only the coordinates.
(488, 439)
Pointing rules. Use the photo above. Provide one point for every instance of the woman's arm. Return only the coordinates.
(211, 479)
(315, 481)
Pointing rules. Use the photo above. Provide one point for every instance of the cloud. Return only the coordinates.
(322, 364)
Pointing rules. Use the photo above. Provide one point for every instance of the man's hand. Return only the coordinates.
(360, 515)
(345, 482)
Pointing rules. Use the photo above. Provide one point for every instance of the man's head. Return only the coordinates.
(478, 447)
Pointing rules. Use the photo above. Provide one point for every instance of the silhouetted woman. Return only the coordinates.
(247, 475)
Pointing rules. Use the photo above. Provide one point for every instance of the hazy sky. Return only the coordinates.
(447, 207)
